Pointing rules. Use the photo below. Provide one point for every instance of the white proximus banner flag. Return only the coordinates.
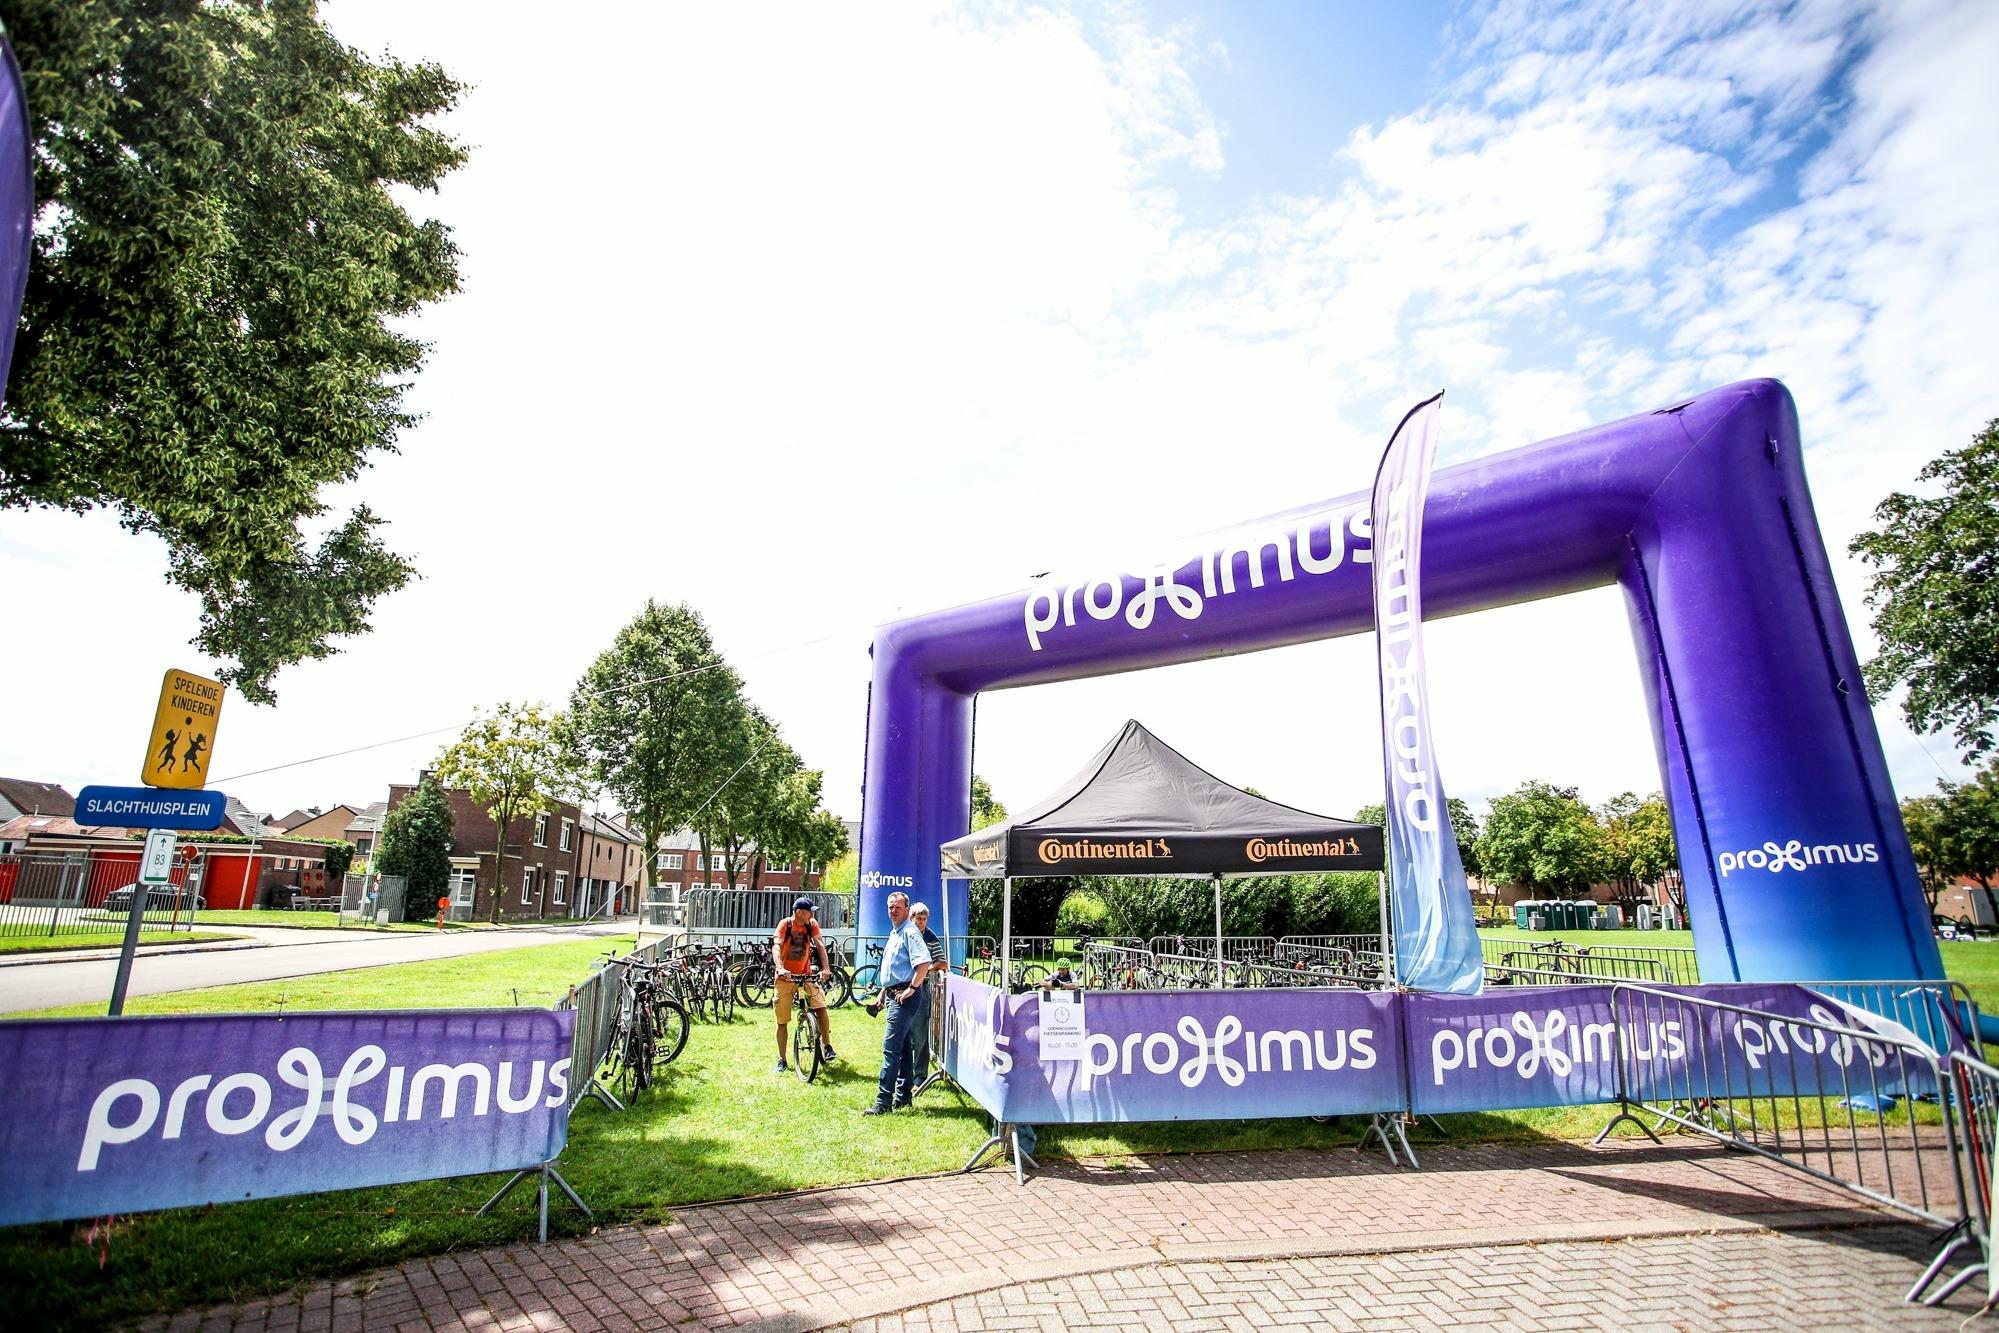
(1436, 937)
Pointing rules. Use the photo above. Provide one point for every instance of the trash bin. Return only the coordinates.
(1535, 921)
(1613, 917)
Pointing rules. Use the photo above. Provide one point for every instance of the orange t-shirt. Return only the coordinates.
(795, 950)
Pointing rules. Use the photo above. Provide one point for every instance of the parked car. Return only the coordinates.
(159, 898)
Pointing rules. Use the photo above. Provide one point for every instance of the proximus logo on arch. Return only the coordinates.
(1777, 857)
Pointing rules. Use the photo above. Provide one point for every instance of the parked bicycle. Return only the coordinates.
(650, 1029)
(986, 967)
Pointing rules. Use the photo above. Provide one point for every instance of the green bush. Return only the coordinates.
(1082, 913)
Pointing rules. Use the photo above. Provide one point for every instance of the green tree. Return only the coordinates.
(794, 827)
(339, 856)
(986, 811)
(1638, 848)
(416, 844)
(1543, 838)
(1082, 912)
(1935, 596)
(1971, 814)
(1926, 820)
(515, 762)
(843, 872)
(651, 718)
(214, 324)
(1464, 830)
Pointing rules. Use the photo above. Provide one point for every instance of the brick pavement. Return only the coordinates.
(803, 1261)
(1845, 1279)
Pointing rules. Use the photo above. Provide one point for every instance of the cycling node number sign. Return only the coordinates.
(183, 737)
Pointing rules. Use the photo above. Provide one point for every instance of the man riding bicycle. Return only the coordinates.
(791, 948)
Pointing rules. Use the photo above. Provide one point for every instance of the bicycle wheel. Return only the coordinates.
(867, 978)
(669, 1033)
(1030, 974)
(839, 988)
(725, 1001)
(804, 1043)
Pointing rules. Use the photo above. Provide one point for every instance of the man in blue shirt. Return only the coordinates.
(905, 962)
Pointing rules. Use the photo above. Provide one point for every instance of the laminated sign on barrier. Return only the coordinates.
(125, 1115)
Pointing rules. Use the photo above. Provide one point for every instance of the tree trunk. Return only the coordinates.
(502, 816)
(1986, 884)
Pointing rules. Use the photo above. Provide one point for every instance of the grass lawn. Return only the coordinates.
(721, 1125)
(316, 921)
(104, 940)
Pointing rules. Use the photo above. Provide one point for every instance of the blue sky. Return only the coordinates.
(760, 305)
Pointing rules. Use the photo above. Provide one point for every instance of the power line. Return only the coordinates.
(591, 694)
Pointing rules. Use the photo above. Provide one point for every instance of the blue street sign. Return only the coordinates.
(150, 807)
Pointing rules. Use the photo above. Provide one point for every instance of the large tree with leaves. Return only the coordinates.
(515, 762)
(1639, 850)
(211, 332)
(655, 719)
(416, 844)
(1935, 595)
(1543, 838)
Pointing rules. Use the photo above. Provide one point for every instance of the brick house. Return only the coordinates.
(610, 869)
(538, 868)
(682, 867)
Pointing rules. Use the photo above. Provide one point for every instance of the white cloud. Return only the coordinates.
(818, 322)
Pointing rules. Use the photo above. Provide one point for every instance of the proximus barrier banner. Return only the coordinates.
(1236, 1054)
(125, 1115)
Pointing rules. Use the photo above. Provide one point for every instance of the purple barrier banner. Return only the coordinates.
(126, 1115)
(1559, 1046)
(1194, 1055)
(975, 1048)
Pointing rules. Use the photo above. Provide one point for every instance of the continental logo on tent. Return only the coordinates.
(1262, 849)
(1054, 850)
(986, 854)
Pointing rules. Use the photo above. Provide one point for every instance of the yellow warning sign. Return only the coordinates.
(183, 731)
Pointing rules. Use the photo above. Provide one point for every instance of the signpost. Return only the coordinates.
(177, 754)
(183, 735)
(146, 807)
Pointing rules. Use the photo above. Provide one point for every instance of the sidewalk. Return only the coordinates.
(951, 1247)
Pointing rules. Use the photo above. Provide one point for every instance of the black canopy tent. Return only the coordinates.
(1140, 807)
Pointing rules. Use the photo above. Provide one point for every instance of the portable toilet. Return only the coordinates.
(1522, 910)
(1613, 917)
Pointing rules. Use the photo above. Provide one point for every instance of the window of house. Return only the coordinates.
(561, 888)
(671, 860)
(567, 828)
(527, 885)
(541, 830)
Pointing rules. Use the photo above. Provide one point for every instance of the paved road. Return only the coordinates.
(1533, 1236)
(1842, 1279)
(278, 953)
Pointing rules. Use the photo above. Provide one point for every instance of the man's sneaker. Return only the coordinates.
(826, 1054)
(877, 1109)
(782, 1068)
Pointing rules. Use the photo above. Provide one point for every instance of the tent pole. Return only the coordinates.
(1220, 979)
(1387, 942)
(1006, 936)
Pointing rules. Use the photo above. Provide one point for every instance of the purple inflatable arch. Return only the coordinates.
(1791, 845)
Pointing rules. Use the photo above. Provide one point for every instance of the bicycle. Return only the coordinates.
(650, 1030)
(1024, 976)
(806, 1053)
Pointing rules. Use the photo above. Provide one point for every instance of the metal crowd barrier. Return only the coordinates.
(1975, 1095)
(1246, 947)
(1835, 1100)
(596, 1000)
